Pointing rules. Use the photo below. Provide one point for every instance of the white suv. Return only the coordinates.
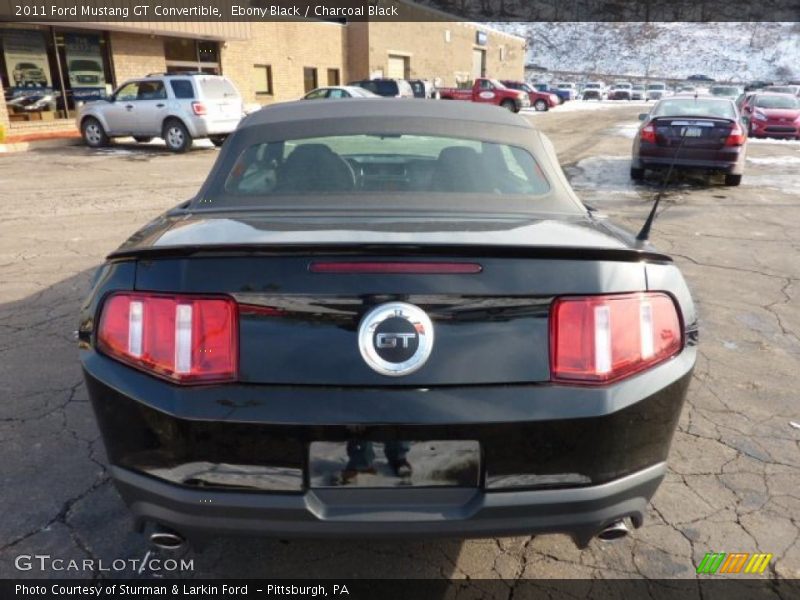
(178, 107)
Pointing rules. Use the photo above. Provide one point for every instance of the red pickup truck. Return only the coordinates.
(489, 91)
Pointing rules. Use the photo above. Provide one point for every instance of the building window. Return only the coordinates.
(263, 79)
(182, 55)
(309, 78)
(333, 76)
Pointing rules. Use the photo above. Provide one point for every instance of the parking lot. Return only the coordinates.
(734, 481)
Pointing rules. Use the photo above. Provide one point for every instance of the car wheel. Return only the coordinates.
(177, 136)
(637, 174)
(509, 105)
(218, 140)
(540, 105)
(733, 179)
(142, 139)
(93, 133)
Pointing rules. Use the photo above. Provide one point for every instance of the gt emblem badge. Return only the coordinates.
(395, 338)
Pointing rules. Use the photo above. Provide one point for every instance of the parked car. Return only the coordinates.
(655, 91)
(725, 91)
(699, 78)
(28, 74)
(689, 133)
(410, 331)
(178, 107)
(621, 90)
(593, 90)
(541, 101)
(638, 92)
(85, 72)
(422, 88)
(388, 88)
(794, 90)
(568, 90)
(488, 91)
(773, 115)
(563, 95)
(757, 85)
(339, 91)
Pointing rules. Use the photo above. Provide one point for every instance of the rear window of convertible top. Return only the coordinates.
(375, 164)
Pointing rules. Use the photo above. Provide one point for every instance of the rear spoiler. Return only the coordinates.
(360, 250)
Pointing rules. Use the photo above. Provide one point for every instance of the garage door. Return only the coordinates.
(397, 67)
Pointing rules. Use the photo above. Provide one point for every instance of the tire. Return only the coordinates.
(218, 140)
(142, 139)
(93, 133)
(176, 136)
(637, 174)
(509, 105)
(732, 180)
(540, 105)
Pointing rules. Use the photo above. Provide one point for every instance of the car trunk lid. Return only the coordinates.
(692, 132)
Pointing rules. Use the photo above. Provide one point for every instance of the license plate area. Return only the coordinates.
(372, 464)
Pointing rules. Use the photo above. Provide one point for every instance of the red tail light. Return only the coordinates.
(187, 339)
(736, 137)
(648, 133)
(199, 108)
(598, 339)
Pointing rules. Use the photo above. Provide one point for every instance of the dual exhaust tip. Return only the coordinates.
(167, 540)
(615, 532)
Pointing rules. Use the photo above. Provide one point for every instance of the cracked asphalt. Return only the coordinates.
(734, 479)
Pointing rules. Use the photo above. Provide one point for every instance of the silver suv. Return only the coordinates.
(179, 107)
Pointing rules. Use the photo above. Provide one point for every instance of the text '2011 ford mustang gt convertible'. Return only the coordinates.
(387, 318)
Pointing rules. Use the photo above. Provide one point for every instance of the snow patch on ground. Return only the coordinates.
(753, 140)
(602, 174)
(626, 130)
(782, 161)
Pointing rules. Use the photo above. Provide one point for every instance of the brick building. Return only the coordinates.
(61, 67)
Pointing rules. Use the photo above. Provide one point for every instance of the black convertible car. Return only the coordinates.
(386, 318)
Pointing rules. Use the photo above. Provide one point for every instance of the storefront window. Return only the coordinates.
(28, 82)
(47, 73)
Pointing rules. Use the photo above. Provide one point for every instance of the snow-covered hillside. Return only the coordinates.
(724, 51)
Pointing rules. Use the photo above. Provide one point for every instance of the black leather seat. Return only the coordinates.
(460, 169)
(315, 168)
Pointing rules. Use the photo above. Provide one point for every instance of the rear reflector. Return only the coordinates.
(187, 339)
(598, 339)
(413, 268)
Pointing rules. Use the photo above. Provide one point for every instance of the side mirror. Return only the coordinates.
(643, 116)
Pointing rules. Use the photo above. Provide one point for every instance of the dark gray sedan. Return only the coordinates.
(691, 133)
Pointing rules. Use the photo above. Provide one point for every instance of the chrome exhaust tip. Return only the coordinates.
(614, 532)
(166, 539)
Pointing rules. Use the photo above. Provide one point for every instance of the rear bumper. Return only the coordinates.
(201, 127)
(451, 512)
(554, 458)
(727, 160)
